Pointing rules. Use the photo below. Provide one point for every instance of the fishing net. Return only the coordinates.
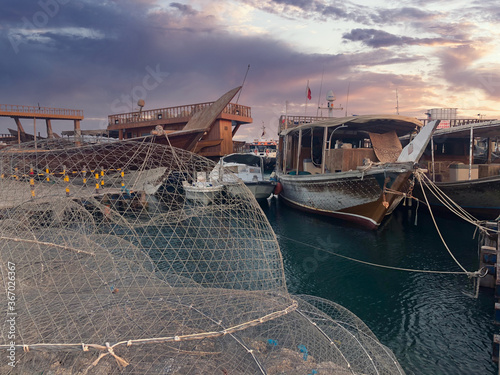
(129, 258)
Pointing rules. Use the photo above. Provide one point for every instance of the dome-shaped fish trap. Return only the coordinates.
(130, 258)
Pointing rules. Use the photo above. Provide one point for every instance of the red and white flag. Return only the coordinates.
(308, 91)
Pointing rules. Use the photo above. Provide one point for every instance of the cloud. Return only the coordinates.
(98, 55)
(184, 9)
(461, 66)
(379, 38)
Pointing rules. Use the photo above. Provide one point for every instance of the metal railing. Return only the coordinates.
(175, 112)
(287, 122)
(33, 110)
(461, 121)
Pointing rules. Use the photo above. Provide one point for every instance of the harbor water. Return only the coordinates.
(431, 321)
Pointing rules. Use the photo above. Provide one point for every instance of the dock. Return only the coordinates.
(22, 189)
(489, 258)
(18, 112)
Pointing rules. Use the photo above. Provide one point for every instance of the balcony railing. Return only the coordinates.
(175, 112)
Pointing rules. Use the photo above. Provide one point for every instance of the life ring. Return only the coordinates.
(278, 189)
(267, 152)
(255, 151)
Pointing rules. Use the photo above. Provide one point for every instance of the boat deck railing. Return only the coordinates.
(461, 121)
(183, 111)
(287, 122)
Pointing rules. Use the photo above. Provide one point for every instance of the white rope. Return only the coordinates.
(448, 202)
(464, 272)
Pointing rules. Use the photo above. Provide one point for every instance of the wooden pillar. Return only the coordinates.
(120, 134)
(78, 133)
(19, 125)
(20, 130)
(298, 151)
(50, 133)
(323, 153)
(235, 129)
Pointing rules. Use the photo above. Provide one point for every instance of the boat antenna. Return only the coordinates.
(141, 104)
(397, 102)
(320, 88)
(244, 79)
(347, 99)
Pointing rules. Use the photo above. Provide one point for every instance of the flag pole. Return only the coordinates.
(307, 94)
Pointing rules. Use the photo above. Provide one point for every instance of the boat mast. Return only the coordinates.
(432, 160)
(283, 154)
(471, 147)
(347, 98)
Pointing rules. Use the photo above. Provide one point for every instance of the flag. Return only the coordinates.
(308, 91)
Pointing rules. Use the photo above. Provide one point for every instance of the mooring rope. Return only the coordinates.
(447, 202)
(480, 273)
(437, 228)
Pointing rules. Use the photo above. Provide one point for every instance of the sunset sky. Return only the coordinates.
(102, 56)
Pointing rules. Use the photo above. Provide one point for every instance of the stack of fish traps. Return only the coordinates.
(108, 267)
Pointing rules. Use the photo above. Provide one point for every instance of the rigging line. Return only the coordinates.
(477, 273)
(320, 88)
(244, 79)
(347, 99)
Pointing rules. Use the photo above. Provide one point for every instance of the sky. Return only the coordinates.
(378, 57)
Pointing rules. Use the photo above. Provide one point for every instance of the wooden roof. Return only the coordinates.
(366, 123)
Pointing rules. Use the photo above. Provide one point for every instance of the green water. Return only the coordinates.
(432, 322)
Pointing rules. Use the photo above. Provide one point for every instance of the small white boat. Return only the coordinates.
(201, 191)
(247, 168)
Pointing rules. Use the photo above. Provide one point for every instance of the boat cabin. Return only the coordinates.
(264, 148)
(343, 144)
(463, 152)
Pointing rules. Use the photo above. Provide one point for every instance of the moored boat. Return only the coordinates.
(267, 150)
(352, 168)
(247, 167)
(463, 162)
(203, 191)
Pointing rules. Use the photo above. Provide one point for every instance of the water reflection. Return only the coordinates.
(430, 321)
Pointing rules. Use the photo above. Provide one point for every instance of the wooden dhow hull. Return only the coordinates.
(362, 197)
(479, 197)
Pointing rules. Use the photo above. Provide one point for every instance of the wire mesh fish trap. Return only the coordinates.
(130, 258)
